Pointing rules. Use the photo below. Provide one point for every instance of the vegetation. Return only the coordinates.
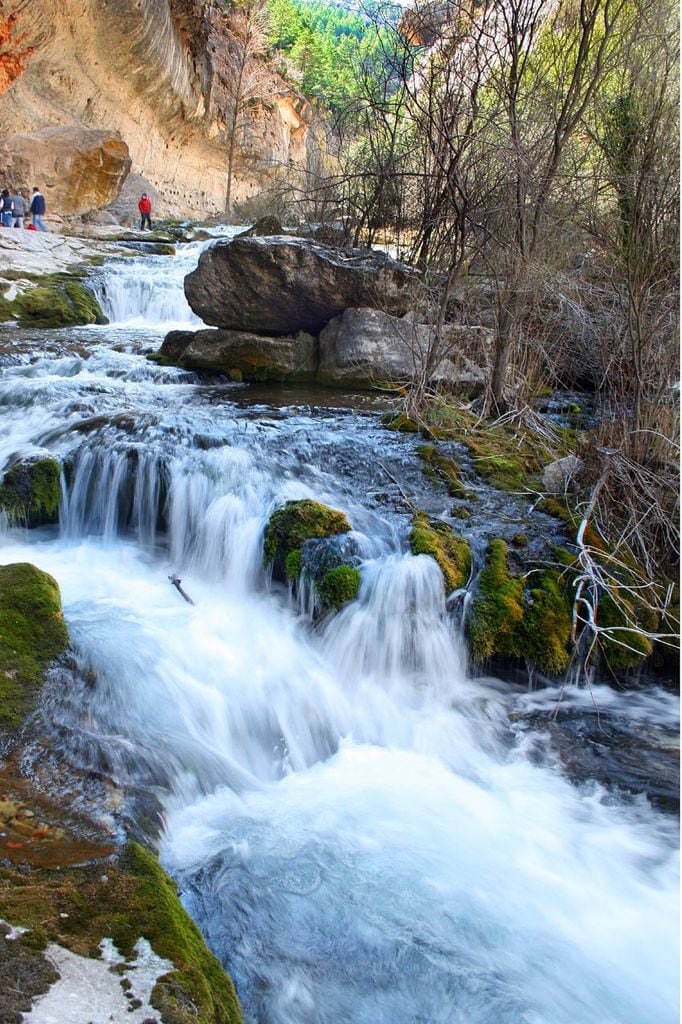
(32, 633)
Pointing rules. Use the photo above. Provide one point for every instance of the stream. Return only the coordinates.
(364, 832)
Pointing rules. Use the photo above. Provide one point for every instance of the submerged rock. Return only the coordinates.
(282, 285)
(32, 634)
(242, 355)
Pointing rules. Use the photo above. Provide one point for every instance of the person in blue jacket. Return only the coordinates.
(38, 209)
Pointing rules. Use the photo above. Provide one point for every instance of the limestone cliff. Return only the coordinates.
(147, 72)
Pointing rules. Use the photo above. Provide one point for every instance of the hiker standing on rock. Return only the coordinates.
(145, 208)
(38, 209)
(18, 209)
(6, 209)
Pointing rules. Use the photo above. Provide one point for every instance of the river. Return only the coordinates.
(364, 832)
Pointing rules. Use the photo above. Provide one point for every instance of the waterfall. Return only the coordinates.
(365, 833)
(152, 295)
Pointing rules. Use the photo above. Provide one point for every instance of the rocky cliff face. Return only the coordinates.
(146, 71)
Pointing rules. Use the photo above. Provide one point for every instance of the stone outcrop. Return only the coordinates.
(363, 347)
(155, 72)
(282, 285)
(242, 355)
(78, 168)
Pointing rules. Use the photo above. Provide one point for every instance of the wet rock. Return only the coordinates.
(243, 355)
(268, 225)
(365, 347)
(281, 285)
(558, 475)
(30, 491)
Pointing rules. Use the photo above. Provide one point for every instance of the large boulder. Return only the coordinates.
(366, 347)
(77, 169)
(242, 355)
(281, 285)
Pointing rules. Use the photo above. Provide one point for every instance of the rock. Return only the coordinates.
(242, 355)
(281, 285)
(268, 225)
(30, 492)
(78, 169)
(291, 526)
(558, 475)
(54, 303)
(452, 553)
(37, 252)
(365, 347)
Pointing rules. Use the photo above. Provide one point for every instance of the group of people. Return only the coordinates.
(13, 210)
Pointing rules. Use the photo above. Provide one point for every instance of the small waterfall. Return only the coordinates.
(148, 292)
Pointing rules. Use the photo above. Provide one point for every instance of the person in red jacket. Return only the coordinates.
(145, 208)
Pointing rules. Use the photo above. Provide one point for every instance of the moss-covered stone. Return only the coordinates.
(498, 610)
(59, 300)
(545, 635)
(32, 633)
(339, 586)
(400, 422)
(439, 467)
(624, 647)
(30, 492)
(78, 907)
(452, 553)
(294, 523)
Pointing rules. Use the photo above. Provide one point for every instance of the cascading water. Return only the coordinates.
(363, 833)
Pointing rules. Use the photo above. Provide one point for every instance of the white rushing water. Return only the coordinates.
(356, 826)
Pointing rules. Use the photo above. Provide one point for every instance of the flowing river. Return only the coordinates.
(364, 833)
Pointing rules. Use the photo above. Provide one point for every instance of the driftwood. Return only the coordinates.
(177, 583)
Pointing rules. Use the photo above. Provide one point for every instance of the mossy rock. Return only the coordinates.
(498, 610)
(545, 635)
(293, 524)
(30, 492)
(32, 633)
(338, 586)
(59, 301)
(133, 899)
(400, 422)
(452, 553)
(624, 647)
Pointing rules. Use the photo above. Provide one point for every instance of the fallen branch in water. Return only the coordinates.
(177, 583)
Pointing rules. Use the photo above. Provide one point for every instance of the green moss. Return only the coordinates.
(294, 523)
(78, 907)
(58, 301)
(32, 633)
(400, 422)
(520, 540)
(443, 468)
(624, 648)
(452, 553)
(30, 492)
(338, 586)
(498, 610)
(292, 564)
(547, 625)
